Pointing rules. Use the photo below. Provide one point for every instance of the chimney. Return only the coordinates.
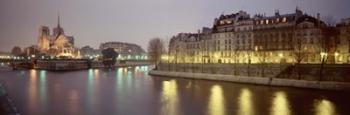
(318, 19)
(277, 13)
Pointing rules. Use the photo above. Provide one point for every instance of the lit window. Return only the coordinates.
(228, 21)
(262, 22)
(267, 21)
(277, 20)
(284, 19)
(222, 22)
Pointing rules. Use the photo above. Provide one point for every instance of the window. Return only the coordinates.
(284, 19)
(222, 22)
(267, 21)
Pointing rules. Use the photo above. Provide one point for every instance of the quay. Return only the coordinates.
(70, 64)
(335, 77)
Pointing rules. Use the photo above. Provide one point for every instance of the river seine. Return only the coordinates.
(131, 91)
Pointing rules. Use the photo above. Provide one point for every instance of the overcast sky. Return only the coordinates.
(92, 22)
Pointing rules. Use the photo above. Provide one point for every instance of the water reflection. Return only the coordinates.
(43, 93)
(216, 101)
(88, 92)
(90, 89)
(324, 107)
(73, 96)
(245, 103)
(33, 90)
(280, 104)
(119, 76)
(170, 98)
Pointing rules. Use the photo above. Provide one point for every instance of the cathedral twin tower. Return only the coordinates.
(57, 44)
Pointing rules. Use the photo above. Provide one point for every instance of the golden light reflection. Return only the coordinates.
(245, 103)
(170, 98)
(216, 101)
(33, 89)
(74, 98)
(96, 72)
(324, 107)
(280, 104)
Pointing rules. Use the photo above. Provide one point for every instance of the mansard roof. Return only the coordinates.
(308, 18)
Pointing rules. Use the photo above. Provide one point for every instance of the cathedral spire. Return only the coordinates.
(58, 30)
(58, 20)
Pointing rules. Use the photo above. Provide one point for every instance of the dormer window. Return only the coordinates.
(222, 22)
(284, 19)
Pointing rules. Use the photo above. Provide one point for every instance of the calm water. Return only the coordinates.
(130, 91)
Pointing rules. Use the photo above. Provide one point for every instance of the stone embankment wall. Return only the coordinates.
(328, 85)
(263, 70)
(305, 75)
(99, 64)
(309, 72)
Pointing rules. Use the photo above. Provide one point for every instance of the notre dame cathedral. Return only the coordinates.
(57, 44)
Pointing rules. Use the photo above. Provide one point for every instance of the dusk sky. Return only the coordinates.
(92, 22)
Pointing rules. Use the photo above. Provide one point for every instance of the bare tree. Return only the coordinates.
(235, 55)
(249, 56)
(262, 59)
(328, 46)
(299, 54)
(155, 50)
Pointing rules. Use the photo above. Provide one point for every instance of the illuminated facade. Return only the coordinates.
(343, 49)
(58, 44)
(281, 38)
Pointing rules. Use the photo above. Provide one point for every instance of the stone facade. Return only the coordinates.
(57, 44)
(281, 38)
